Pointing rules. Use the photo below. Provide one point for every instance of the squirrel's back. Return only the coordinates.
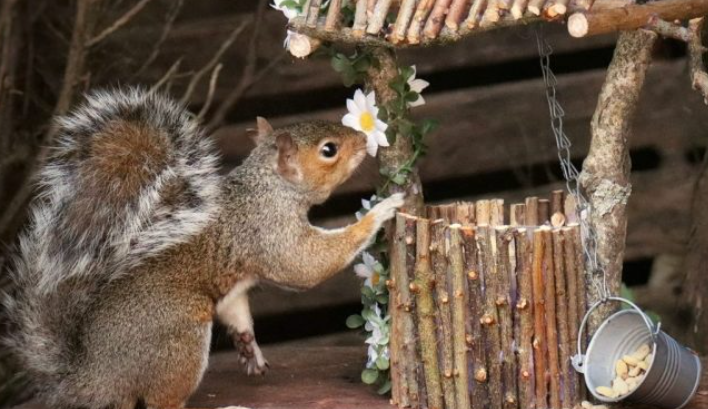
(130, 176)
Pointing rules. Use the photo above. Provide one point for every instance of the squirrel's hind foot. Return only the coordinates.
(250, 355)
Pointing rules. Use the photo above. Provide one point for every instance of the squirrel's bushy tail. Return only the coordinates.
(130, 175)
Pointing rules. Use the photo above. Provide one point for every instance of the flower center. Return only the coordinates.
(375, 278)
(366, 121)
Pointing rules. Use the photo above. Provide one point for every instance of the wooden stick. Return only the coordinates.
(475, 13)
(491, 15)
(585, 5)
(360, 19)
(504, 5)
(555, 9)
(486, 242)
(395, 304)
(532, 211)
(633, 16)
(519, 8)
(403, 256)
(544, 211)
(442, 303)
(465, 214)
(606, 170)
(482, 212)
(405, 13)
(437, 17)
(582, 283)
(506, 324)
(551, 332)
(699, 77)
(524, 319)
(496, 214)
(557, 200)
(535, 7)
(539, 313)
(570, 209)
(475, 337)
(425, 307)
(459, 306)
(454, 16)
(564, 345)
(571, 278)
(414, 365)
(450, 213)
(517, 214)
(377, 20)
(421, 14)
(300, 45)
(669, 30)
(313, 13)
(333, 15)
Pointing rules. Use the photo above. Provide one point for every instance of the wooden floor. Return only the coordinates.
(314, 374)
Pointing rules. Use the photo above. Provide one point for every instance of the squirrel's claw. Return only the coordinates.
(250, 355)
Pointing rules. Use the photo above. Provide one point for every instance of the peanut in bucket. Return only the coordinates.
(663, 372)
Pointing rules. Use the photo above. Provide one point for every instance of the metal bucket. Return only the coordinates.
(670, 381)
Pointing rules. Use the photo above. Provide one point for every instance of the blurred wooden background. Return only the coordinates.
(494, 139)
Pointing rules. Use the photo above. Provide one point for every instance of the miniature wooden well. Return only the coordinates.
(485, 312)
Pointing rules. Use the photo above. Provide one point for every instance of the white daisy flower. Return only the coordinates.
(367, 205)
(363, 116)
(417, 85)
(288, 12)
(367, 271)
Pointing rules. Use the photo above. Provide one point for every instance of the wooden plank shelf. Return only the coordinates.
(310, 374)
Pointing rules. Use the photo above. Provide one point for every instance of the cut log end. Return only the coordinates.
(578, 25)
(534, 9)
(300, 45)
(556, 10)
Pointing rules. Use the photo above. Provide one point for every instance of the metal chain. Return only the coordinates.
(570, 172)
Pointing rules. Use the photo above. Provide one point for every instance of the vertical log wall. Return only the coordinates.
(486, 312)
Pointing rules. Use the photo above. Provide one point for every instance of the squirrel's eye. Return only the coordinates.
(329, 150)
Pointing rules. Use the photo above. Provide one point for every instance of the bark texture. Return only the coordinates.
(606, 170)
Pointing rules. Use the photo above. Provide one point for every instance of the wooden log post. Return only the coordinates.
(539, 314)
(459, 316)
(633, 16)
(444, 314)
(549, 294)
(423, 288)
(395, 156)
(524, 320)
(576, 296)
(605, 175)
(565, 347)
(506, 324)
(486, 244)
(403, 342)
(479, 396)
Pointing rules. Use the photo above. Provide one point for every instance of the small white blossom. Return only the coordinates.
(367, 270)
(417, 85)
(367, 205)
(288, 12)
(363, 116)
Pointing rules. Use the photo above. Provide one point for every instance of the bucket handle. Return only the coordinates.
(578, 360)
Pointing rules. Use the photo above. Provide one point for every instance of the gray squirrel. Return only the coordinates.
(136, 244)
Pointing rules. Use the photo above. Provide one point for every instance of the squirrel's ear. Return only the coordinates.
(263, 129)
(287, 149)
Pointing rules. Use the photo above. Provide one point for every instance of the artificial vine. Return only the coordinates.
(374, 318)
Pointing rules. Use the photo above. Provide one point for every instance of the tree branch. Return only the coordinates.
(120, 22)
(605, 176)
(699, 77)
(210, 94)
(212, 63)
(171, 16)
(668, 29)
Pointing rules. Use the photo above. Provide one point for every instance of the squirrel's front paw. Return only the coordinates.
(386, 209)
(250, 355)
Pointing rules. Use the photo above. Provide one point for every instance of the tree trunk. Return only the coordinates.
(606, 170)
(396, 155)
